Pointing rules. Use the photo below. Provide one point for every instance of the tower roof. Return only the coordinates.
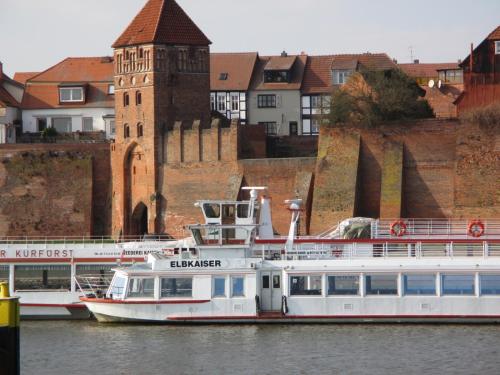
(162, 22)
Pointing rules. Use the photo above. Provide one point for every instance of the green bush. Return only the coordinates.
(49, 132)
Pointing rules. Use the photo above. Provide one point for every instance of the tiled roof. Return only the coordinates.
(495, 34)
(238, 66)
(94, 73)
(297, 75)
(163, 22)
(22, 77)
(280, 63)
(79, 69)
(318, 72)
(6, 99)
(426, 70)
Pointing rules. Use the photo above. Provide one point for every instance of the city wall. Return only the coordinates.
(422, 169)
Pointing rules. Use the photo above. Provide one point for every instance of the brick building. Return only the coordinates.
(482, 74)
(162, 82)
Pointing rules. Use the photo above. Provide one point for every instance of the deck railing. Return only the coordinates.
(79, 240)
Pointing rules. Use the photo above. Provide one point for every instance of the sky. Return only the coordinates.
(36, 34)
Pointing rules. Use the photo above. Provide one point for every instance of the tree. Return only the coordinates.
(373, 97)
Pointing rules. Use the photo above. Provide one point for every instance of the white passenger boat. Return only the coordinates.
(398, 271)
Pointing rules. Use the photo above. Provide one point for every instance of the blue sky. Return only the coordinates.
(35, 34)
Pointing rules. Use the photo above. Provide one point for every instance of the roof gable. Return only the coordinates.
(162, 22)
(495, 34)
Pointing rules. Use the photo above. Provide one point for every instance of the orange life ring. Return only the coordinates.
(398, 228)
(476, 228)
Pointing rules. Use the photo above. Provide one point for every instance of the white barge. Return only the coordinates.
(405, 271)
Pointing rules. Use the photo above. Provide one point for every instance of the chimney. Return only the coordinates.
(416, 61)
(284, 54)
(394, 61)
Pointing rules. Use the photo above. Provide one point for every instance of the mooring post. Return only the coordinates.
(9, 332)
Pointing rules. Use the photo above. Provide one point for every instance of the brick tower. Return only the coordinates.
(161, 76)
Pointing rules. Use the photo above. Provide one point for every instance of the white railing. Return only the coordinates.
(94, 285)
(79, 240)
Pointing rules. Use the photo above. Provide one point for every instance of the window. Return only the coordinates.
(266, 101)
(490, 284)
(221, 101)
(242, 210)
(419, 285)
(177, 287)
(88, 124)
(126, 99)
(497, 47)
(94, 269)
(126, 131)
(111, 89)
(112, 127)
(315, 123)
(316, 101)
(457, 284)
(41, 123)
(223, 77)
(42, 277)
(62, 124)
(138, 98)
(212, 210)
(235, 102)
(276, 76)
(118, 286)
(305, 285)
(265, 281)
(141, 287)
(381, 284)
(213, 101)
(70, 94)
(140, 130)
(219, 287)
(270, 127)
(276, 281)
(343, 285)
(4, 273)
(238, 286)
(340, 76)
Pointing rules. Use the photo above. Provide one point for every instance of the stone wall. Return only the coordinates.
(54, 190)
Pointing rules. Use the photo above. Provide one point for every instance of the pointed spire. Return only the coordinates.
(162, 22)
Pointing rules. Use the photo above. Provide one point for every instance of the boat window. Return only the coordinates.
(343, 285)
(305, 285)
(177, 287)
(42, 277)
(212, 210)
(228, 212)
(457, 284)
(219, 287)
(242, 211)
(276, 281)
(94, 269)
(265, 281)
(238, 286)
(141, 287)
(419, 285)
(118, 287)
(381, 284)
(4, 273)
(490, 284)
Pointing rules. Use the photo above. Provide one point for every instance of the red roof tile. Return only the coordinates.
(22, 77)
(495, 34)
(426, 70)
(280, 63)
(6, 99)
(94, 73)
(297, 74)
(79, 69)
(162, 22)
(238, 66)
(318, 71)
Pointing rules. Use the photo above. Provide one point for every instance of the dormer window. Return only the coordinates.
(71, 94)
(223, 77)
(340, 76)
(111, 89)
(277, 76)
(497, 47)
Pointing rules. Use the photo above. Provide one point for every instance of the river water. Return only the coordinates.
(86, 347)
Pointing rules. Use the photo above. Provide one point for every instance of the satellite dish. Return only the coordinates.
(440, 83)
(431, 83)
